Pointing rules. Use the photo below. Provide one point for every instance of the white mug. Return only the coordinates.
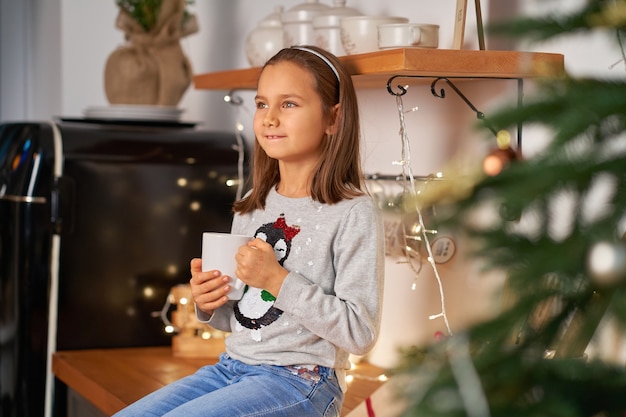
(403, 35)
(218, 252)
(359, 33)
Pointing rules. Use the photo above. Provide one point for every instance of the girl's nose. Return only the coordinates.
(270, 119)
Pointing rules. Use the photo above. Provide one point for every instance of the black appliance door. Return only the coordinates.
(141, 198)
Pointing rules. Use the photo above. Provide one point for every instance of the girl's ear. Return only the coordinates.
(332, 120)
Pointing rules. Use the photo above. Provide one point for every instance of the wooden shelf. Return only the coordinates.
(373, 70)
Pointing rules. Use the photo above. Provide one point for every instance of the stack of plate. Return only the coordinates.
(133, 112)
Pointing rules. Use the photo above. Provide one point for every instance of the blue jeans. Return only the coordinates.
(231, 388)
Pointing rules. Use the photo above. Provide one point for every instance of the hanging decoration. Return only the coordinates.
(419, 231)
(501, 156)
(416, 237)
(237, 102)
(606, 263)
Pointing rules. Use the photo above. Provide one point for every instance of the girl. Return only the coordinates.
(314, 266)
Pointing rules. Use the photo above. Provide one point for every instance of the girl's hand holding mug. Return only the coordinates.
(209, 289)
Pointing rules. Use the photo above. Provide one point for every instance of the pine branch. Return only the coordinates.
(597, 13)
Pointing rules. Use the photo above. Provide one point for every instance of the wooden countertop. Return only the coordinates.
(112, 378)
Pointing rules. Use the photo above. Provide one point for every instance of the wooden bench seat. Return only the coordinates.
(110, 379)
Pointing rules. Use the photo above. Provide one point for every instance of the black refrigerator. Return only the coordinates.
(98, 220)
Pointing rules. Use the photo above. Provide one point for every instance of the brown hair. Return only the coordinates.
(338, 175)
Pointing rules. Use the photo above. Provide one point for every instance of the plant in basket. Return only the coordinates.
(150, 68)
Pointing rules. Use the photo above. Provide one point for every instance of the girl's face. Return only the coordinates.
(289, 123)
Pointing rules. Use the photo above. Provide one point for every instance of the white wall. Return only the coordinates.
(14, 41)
(52, 64)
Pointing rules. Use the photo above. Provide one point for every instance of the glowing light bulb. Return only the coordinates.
(148, 292)
(503, 139)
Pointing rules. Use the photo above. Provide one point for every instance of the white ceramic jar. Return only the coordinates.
(266, 39)
(326, 27)
(298, 23)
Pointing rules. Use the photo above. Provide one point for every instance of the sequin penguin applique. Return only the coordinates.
(256, 308)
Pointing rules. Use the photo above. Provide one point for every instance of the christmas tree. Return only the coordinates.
(530, 360)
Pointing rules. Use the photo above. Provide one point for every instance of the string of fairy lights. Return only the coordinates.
(409, 187)
(237, 103)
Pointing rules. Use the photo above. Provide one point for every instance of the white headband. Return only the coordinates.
(322, 57)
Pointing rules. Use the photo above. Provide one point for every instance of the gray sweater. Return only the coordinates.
(330, 303)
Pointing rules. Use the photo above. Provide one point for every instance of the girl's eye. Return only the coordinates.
(261, 105)
(289, 104)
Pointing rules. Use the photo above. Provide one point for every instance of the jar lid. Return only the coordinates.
(272, 20)
(304, 12)
(332, 16)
